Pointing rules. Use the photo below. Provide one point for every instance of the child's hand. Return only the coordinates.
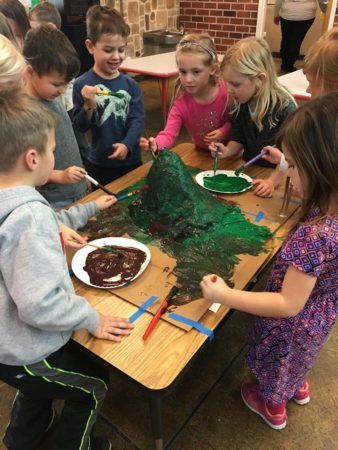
(105, 201)
(222, 149)
(273, 156)
(120, 151)
(214, 288)
(263, 188)
(112, 328)
(72, 174)
(276, 20)
(148, 144)
(71, 238)
(88, 95)
(213, 136)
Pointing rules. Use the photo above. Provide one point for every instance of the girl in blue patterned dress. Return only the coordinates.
(299, 308)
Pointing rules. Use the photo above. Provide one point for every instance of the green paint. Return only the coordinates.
(224, 183)
(185, 221)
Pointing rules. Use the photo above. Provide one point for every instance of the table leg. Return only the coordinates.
(164, 95)
(156, 419)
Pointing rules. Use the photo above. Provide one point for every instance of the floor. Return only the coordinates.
(204, 411)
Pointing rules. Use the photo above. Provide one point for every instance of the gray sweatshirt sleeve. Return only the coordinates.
(77, 216)
(37, 278)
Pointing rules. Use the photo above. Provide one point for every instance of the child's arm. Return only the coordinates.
(134, 125)
(167, 137)
(296, 289)
(82, 113)
(71, 175)
(112, 328)
(265, 187)
(232, 148)
(146, 144)
(218, 135)
(77, 216)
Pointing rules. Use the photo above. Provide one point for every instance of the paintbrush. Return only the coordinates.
(250, 162)
(106, 249)
(161, 310)
(216, 160)
(129, 194)
(153, 154)
(100, 186)
(110, 93)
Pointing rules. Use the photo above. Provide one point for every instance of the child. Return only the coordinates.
(44, 13)
(116, 120)
(261, 104)
(52, 63)
(200, 101)
(299, 309)
(321, 70)
(17, 18)
(39, 309)
(321, 64)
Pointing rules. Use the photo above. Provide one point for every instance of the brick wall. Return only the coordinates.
(225, 21)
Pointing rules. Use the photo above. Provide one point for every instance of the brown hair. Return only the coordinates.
(105, 20)
(15, 10)
(321, 61)
(251, 57)
(47, 49)
(6, 30)
(25, 123)
(45, 13)
(310, 135)
(200, 44)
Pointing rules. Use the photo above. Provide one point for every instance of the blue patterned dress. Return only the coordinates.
(281, 351)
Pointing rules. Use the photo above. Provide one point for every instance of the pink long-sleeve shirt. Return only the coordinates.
(198, 119)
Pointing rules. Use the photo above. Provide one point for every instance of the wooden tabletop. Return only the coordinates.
(156, 363)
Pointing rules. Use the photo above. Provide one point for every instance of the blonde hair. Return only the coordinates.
(252, 57)
(200, 44)
(321, 61)
(12, 66)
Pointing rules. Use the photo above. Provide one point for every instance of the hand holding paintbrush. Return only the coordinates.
(250, 162)
(148, 143)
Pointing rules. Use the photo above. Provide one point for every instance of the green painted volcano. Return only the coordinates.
(186, 222)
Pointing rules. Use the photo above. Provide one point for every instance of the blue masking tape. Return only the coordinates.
(143, 308)
(259, 216)
(255, 215)
(193, 323)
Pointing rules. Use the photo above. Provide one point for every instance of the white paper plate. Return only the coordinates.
(79, 259)
(230, 173)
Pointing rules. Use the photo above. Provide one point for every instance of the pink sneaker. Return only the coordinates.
(302, 396)
(273, 415)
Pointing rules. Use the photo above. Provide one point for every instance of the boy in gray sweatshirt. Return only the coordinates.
(39, 309)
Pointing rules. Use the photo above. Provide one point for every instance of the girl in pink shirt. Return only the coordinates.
(201, 101)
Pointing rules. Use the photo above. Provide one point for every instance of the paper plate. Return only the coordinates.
(230, 173)
(79, 259)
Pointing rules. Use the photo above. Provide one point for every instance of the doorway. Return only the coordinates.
(271, 32)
